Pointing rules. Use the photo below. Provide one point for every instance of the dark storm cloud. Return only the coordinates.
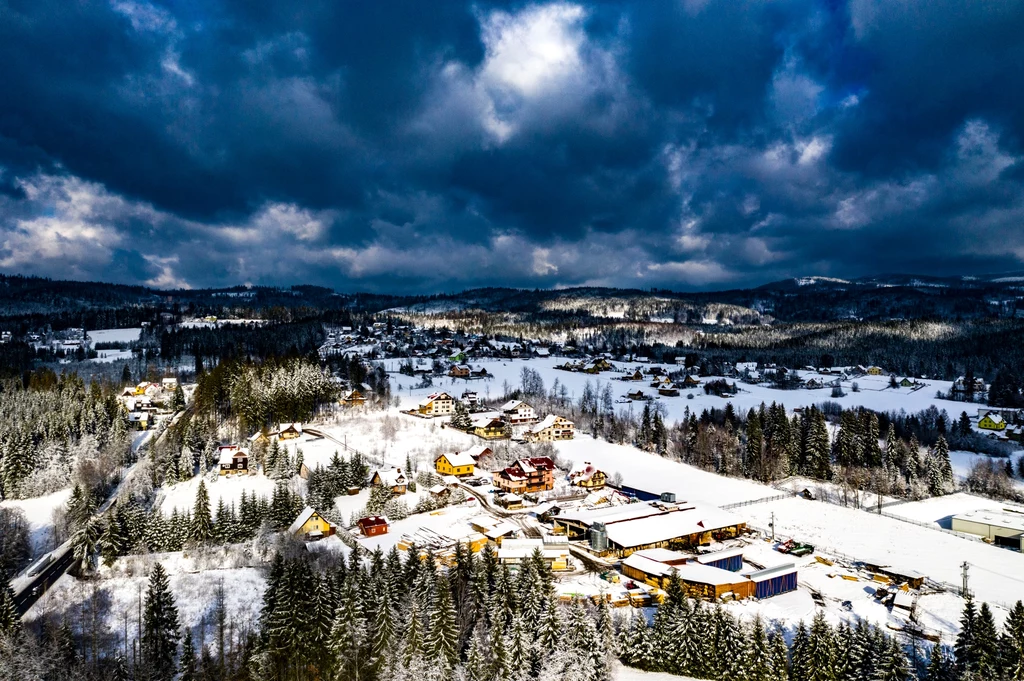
(436, 145)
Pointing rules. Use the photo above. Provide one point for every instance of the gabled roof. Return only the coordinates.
(306, 514)
(514, 404)
(372, 521)
(547, 422)
(457, 458)
(390, 478)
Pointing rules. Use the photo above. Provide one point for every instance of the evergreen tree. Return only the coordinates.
(966, 642)
(202, 522)
(1012, 645)
(893, 664)
(442, 638)
(159, 627)
(754, 460)
(187, 663)
(10, 621)
(940, 666)
(637, 645)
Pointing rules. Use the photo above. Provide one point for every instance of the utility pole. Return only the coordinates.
(966, 591)
(772, 525)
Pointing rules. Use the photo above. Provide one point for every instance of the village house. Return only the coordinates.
(353, 398)
(233, 460)
(393, 478)
(289, 431)
(373, 525)
(518, 412)
(311, 526)
(169, 385)
(552, 428)
(635, 376)
(992, 421)
(440, 492)
(533, 474)
(587, 477)
(437, 404)
(668, 390)
(469, 397)
(636, 395)
(459, 464)
(459, 371)
(489, 428)
(690, 381)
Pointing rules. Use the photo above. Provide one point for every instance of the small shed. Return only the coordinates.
(373, 525)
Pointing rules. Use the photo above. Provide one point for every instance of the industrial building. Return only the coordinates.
(712, 576)
(1002, 527)
(667, 524)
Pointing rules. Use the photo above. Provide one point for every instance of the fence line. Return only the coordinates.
(764, 500)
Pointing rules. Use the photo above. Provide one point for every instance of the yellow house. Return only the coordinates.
(992, 421)
(310, 525)
(459, 464)
(489, 428)
(874, 371)
(438, 404)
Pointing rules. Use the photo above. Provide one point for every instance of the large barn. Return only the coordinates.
(622, 530)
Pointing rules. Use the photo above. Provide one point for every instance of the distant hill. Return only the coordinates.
(812, 298)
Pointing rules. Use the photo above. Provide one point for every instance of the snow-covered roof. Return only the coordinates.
(762, 575)
(994, 417)
(459, 458)
(1006, 519)
(690, 572)
(547, 422)
(719, 555)
(503, 528)
(227, 453)
(306, 514)
(477, 451)
(513, 404)
(654, 529)
(520, 549)
(391, 478)
(437, 489)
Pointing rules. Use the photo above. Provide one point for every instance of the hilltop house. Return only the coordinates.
(459, 464)
(518, 412)
(552, 428)
(393, 478)
(437, 404)
(533, 474)
(311, 526)
(233, 460)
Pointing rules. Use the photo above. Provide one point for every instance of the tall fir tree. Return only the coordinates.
(202, 521)
(159, 627)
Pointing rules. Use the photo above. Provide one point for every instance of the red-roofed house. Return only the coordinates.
(534, 474)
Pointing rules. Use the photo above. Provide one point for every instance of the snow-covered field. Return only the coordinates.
(653, 473)
(873, 393)
(867, 536)
(114, 336)
(939, 510)
(39, 514)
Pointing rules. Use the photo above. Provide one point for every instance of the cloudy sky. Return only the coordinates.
(411, 145)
